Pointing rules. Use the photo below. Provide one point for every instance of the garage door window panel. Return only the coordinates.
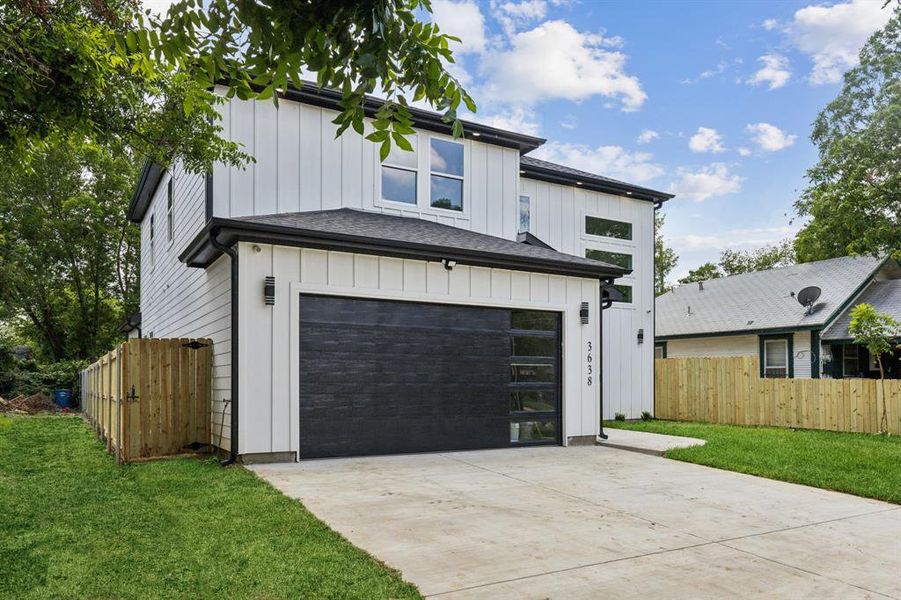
(531, 432)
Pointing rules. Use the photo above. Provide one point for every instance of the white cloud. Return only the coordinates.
(742, 151)
(720, 68)
(832, 35)
(569, 122)
(518, 119)
(775, 71)
(706, 140)
(609, 161)
(707, 182)
(555, 61)
(769, 137)
(463, 20)
(514, 15)
(647, 136)
(770, 24)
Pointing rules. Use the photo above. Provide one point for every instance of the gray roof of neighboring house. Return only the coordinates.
(353, 230)
(762, 300)
(885, 296)
(536, 168)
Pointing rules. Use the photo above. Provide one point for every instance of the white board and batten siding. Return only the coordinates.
(300, 167)
(177, 301)
(741, 345)
(558, 218)
(270, 343)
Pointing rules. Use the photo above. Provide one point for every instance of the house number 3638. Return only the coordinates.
(589, 368)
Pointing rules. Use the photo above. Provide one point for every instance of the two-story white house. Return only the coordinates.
(460, 296)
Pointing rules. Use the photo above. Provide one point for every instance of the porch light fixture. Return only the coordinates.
(583, 313)
(641, 336)
(269, 291)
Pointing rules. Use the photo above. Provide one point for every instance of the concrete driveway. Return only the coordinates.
(591, 522)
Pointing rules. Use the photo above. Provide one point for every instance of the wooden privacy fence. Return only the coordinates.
(150, 397)
(730, 390)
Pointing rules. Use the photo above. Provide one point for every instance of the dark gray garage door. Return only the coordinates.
(385, 377)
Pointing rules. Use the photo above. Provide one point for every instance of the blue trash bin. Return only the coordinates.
(63, 398)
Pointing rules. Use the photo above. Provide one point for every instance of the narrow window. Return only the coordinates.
(775, 358)
(170, 226)
(524, 214)
(152, 242)
(851, 362)
(446, 159)
(659, 351)
(619, 259)
(399, 175)
(608, 228)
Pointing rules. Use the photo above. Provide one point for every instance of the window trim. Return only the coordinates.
(662, 346)
(528, 204)
(460, 178)
(628, 254)
(583, 225)
(415, 170)
(789, 349)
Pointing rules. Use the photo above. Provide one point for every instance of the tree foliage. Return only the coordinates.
(875, 330)
(104, 70)
(665, 259)
(733, 262)
(68, 256)
(854, 191)
(705, 272)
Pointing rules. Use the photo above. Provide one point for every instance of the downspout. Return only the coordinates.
(605, 304)
(233, 257)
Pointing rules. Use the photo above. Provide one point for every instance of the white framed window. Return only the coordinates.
(400, 175)
(659, 351)
(525, 214)
(446, 174)
(170, 218)
(152, 241)
(608, 228)
(775, 358)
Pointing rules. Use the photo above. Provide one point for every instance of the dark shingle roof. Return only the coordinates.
(762, 299)
(885, 296)
(354, 230)
(545, 170)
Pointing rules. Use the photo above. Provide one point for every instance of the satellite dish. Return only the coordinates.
(808, 296)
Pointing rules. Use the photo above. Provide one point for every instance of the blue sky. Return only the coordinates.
(725, 93)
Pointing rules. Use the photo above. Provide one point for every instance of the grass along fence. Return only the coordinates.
(150, 397)
(730, 390)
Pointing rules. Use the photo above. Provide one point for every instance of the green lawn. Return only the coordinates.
(862, 464)
(74, 524)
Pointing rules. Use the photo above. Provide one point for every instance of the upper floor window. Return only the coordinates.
(626, 291)
(608, 228)
(619, 259)
(446, 160)
(524, 214)
(399, 175)
(170, 225)
(152, 241)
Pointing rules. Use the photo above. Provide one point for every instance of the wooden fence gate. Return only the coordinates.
(730, 390)
(150, 397)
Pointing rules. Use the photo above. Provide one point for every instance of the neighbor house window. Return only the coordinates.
(851, 361)
(524, 214)
(152, 242)
(660, 351)
(608, 228)
(446, 177)
(775, 358)
(626, 291)
(170, 225)
(619, 259)
(399, 175)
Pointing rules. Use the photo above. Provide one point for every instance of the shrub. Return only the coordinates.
(620, 416)
(646, 416)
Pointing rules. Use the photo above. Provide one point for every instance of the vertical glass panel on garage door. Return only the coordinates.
(534, 388)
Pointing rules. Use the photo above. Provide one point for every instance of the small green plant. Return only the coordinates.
(646, 416)
(620, 416)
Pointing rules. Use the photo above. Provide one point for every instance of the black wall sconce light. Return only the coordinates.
(269, 291)
(641, 336)
(583, 313)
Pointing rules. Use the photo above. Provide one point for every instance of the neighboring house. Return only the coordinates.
(758, 314)
(447, 298)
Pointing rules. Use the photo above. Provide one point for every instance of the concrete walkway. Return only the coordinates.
(647, 443)
(592, 522)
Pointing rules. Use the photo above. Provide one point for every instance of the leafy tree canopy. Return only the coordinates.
(854, 191)
(68, 256)
(665, 259)
(733, 262)
(122, 77)
(708, 270)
